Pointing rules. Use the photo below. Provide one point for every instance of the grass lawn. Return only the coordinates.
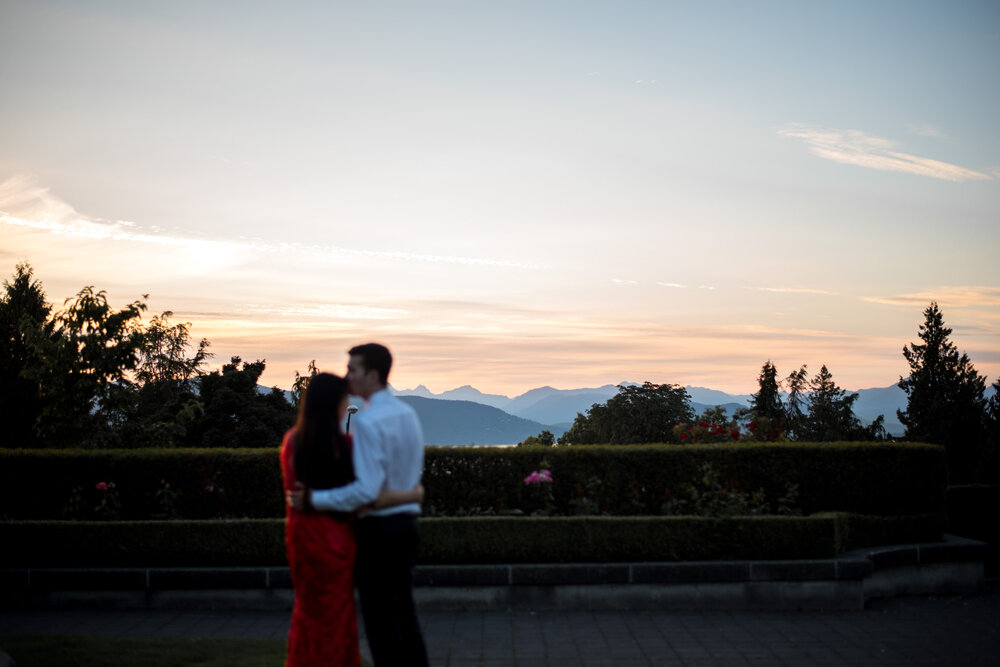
(75, 651)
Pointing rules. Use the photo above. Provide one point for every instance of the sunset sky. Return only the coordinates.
(516, 194)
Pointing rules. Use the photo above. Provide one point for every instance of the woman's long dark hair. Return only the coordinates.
(322, 455)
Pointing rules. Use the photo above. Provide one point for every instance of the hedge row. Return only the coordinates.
(866, 478)
(260, 542)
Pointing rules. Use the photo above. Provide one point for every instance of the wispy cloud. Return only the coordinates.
(957, 296)
(671, 285)
(619, 281)
(337, 311)
(866, 150)
(792, 290)
(24, 203)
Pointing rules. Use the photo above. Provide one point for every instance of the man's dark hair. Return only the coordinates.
(376, 358)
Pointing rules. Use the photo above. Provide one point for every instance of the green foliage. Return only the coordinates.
(945, 397)
(831, 412)
(990, 469)
(24, 314)
(636, 414)
(94, 376)
(83, 370)
(795, 413)
(883, 478)
(710, 495)
(468, 540)
(235, 413)
(165, 394)
(149, 483)
(543, 439)
(302, 381)
(817, 410)
(713, 425)
(767, 401)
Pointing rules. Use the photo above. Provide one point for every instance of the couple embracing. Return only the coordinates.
(352, 519)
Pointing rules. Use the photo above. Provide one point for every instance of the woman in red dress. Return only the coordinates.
(320, 545)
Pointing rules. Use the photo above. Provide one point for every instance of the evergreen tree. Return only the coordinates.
(766, 403)
(831, 411)
(990, 471)
(945, 397)
(795, 413)
(24, 312)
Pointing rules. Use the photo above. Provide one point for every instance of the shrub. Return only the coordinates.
(864, 478)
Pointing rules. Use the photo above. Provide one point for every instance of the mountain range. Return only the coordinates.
(466, 416)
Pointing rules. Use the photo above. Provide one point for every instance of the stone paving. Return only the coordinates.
(932, 630)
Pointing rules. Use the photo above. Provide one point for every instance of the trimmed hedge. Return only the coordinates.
(866, 478)
(207, 483)
(260, 542)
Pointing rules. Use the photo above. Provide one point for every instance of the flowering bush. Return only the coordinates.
(716, 426)
(109, 506)
(541, 480)
(542, 476)
(706, 432)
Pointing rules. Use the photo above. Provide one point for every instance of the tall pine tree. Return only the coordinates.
(945, 397)
(766, 403)
(831, 411)
(23, 310)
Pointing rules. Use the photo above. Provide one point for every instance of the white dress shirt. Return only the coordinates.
(388, 454)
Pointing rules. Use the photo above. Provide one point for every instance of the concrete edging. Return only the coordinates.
(849, 581)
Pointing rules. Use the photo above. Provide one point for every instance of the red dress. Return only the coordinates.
(321, 551)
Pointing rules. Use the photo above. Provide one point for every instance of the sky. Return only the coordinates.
(518, 194)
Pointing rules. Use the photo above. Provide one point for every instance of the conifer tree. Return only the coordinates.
(23, 310)
(797, 382)
(766, 402)
(945, 397)
(831, 411)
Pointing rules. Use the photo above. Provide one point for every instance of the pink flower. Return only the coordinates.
(101, 486)
(538, 477)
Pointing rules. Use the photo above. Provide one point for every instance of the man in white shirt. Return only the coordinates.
(388, 453)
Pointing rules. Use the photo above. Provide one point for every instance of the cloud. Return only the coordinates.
(792, 290)
(338, 311)
(865, 150)
(619, 281)
(957, 297)
(671, 285)
(25, 204)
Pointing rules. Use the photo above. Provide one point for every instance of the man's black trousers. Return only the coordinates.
(387, 553)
